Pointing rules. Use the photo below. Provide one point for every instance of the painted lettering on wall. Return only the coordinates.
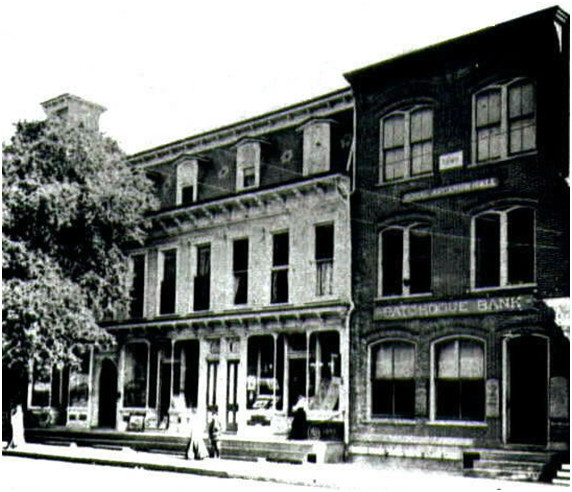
(456, 189)
(453, 308)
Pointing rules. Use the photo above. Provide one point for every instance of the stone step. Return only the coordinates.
(509, 465)
(563, 474)
(512, 455)
(407, 450)
(566, 467)
(561, 481)
(517, 475)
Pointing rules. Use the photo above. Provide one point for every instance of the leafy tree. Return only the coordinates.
(71, 205)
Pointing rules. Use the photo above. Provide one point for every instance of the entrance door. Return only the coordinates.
(165, 391)
(296, 381)
(232, 396)
(108, 394)
(527, 390)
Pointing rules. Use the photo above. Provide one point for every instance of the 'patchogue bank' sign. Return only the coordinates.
(453, 308)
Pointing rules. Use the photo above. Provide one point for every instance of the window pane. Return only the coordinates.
(487, 250)
(382, 397)
(419, 261)
(260, 372)
(488, 108)
(422, 125)
(520, 246)
(324, 277)
(324, 242)
(522, 135)
(448, 399)
(203, 278)
(240, 268)
(448, 360)
(169, 282)
(279, 286)
(394, 164)
(521, 100)
(394, 131)
(79, 383)
(471, 360)
(41, 388)
(392, 262)
(472, 400)
(404, 398)
(422, 158)
(135, 375)
(325, 370)
(403, 361)
(280, 249)
(383, 366)
(187, 195)
(138, 286)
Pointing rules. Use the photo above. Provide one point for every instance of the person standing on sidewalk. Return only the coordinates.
(214, 434)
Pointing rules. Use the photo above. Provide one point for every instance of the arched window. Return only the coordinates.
(405, 260)
(392, 380)
(504, 120)
(503, 247)
(459, 380)
(406, 143)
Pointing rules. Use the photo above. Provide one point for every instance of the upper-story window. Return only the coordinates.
(202, 282)
(317, 147)
(187, 182)
(280, 261)
(324, 255)
(240, 270)
(504, 120)
(248, 165)
(137, 286)
(168, 286)
(405, 260)
(503, 247)
(406, 143)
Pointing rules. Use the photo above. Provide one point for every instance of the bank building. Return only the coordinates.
(392, 256)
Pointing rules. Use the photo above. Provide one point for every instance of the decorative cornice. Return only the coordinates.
(291, 116)
(254, 202)
(238, 318)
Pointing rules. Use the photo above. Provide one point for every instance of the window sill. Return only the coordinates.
(481, 290)
(390, 421)
(410, 179)
(502, 160)
(458, 423)
(400, 298)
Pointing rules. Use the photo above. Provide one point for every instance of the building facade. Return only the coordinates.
(459, 240)
(387, 256)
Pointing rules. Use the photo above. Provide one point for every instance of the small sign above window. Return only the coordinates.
(453, 160)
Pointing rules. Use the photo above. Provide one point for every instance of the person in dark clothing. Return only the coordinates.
(214, 434)
(299, 428)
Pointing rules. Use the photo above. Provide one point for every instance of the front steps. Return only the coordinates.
(509, 464)
(232, 447)
(563, 475)
(427, 452)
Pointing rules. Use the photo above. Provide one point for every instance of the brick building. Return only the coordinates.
(388, 255)
(460, 236)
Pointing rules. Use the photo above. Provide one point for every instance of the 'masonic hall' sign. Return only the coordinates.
(453, 308)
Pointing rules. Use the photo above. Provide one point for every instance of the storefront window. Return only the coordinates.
(392, 380)
(135, 375)
(186, 372)
(460, 380)
(41, 383)
(79, 383)
(325, 370)
(265, 373)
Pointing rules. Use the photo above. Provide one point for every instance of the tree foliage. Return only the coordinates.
(71, 205)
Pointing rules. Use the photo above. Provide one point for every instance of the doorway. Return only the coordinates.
(108, 394)
(296, 381)
(527, 390)
(232, 396)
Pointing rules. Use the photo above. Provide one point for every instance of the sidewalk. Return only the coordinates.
(341, 476)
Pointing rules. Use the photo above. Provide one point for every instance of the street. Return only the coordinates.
(32, 475)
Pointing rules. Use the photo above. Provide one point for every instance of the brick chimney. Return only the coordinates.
(75, 110)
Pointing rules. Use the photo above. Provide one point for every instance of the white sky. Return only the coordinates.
(170, 69)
